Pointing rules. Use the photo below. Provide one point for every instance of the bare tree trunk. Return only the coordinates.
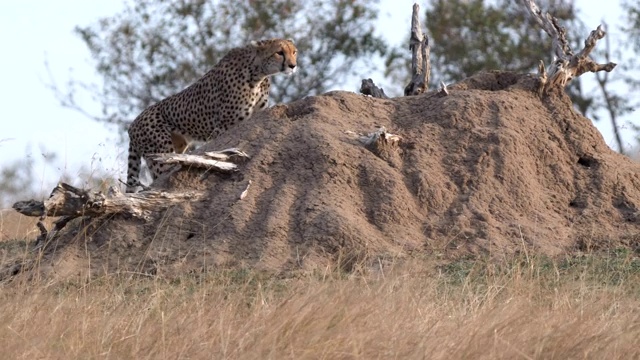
(566, 65)
(420, 61)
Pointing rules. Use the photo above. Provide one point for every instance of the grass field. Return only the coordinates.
(530, 307)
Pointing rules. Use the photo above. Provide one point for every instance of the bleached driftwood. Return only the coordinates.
(220, 161)
(566, 65)
(380, 142)
(369, 88)
(420, 53)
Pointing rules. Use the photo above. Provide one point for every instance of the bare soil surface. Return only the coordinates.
(490, 169)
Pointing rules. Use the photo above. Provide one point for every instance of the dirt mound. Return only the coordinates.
(491, 168)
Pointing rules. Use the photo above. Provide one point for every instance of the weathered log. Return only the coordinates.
(369, 88)
(420, 53)
(67, 200)
(69, 203)
(565, 65)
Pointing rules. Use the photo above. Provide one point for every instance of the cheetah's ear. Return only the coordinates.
(254, 43)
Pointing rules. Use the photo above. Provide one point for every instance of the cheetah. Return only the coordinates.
(230, 92)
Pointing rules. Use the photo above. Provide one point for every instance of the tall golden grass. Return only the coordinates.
(465, 310)
(528, 307)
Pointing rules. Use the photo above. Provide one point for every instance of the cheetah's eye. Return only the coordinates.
(281, 53)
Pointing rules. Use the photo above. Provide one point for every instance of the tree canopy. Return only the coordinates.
(154, 48)
(472, 35)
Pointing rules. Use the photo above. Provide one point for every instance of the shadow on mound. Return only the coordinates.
(491, 168)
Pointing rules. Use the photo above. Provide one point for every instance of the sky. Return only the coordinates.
(35, 32)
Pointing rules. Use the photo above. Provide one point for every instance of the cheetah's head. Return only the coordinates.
(276, 56)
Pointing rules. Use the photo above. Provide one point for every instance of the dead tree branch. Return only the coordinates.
(565, 65)
(219, 161)
(420, 62)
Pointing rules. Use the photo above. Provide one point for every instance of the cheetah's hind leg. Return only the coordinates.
(133, 171)
(165, 143)
(157, 169)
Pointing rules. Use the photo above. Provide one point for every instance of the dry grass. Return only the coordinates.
(468, 309)
(529, 308)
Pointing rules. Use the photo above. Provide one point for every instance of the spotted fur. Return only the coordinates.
(230, 92)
